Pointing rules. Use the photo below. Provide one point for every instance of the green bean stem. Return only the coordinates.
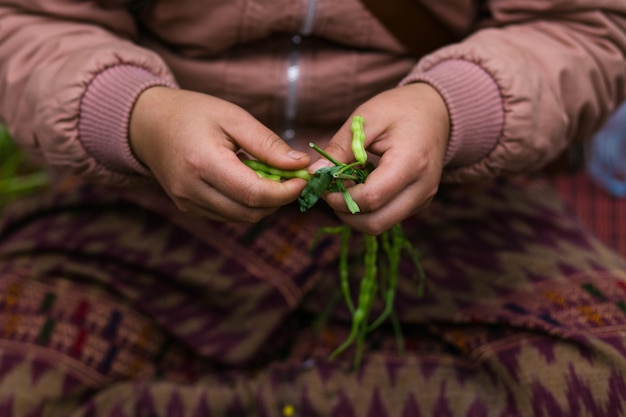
(324, 154)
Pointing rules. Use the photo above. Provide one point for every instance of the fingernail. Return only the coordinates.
(320, 163)
(296, 155)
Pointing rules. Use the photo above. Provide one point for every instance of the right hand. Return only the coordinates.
(407, 127)
(189, 142)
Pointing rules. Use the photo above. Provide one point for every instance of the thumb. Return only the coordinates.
(339, 148)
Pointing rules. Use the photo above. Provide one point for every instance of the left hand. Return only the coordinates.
(408, 128)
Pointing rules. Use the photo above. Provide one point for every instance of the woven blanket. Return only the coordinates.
(115, 304)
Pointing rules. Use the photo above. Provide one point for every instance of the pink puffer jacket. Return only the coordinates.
(525, 79)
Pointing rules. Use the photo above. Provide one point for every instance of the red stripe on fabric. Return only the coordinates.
(78, 344)
(81, 312)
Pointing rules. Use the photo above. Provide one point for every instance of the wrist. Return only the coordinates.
(141, 125)
(439, 110)
(436, 110)
(105, 115)
(474, 104)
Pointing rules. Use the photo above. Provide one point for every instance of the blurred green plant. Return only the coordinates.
(18, 175)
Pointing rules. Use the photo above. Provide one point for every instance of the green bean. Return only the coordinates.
(381, 275)
(272, 177)
(367, 291)
(358, 139)
(259, 166)
(350, 203)
(343, 267)
(367, 300)
(358, 317)
(392, 250)
(344, 231)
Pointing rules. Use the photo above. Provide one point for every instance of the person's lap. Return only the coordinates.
(113, 304)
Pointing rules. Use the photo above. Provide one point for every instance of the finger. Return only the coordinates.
(394, 174)
(403, 206)
(339, 148)
(233, 178)
(265, 145)
(396, 189)
(206, 201)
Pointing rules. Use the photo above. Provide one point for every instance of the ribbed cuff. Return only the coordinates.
(105, 114)
(474, 104)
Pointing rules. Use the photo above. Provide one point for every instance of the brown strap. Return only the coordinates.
(415, 26)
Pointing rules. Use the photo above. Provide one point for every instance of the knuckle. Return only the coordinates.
(252, 196)
(182, 204)
(271, 142)
(420, 164)
(193, 164)
(371, 200)
(178, 192)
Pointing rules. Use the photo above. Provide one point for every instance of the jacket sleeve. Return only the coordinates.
(51, 52)
(537, 76)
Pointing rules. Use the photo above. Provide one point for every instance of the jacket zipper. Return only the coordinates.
(293, 69)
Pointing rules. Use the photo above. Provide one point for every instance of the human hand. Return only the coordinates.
(408, 128)
(189, 141)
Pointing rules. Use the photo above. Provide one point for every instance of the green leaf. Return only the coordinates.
(318, 184)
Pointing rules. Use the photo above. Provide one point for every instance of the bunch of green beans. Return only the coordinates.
(381, 273)
(381, 261)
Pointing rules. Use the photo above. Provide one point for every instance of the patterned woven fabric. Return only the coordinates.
(114, 304)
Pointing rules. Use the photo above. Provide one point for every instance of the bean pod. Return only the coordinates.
(358, 139)
(265, 171)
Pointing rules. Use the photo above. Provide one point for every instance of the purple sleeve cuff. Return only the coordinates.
(474, 104)
(105, 113)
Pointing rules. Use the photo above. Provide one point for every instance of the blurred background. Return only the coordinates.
(18, 175)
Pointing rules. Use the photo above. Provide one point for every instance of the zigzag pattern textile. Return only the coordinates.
(114, 304)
